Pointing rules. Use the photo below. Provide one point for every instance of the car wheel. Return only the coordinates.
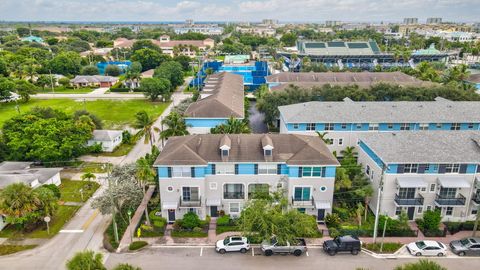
(418, 254)
(461, 253)
(222, 251)
(297, 252)
(355, 252)
(440, 254)
(332, 253)
(268, 253)
(243, 250)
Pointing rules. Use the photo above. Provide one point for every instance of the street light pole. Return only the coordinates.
(114, 222)
(383, 234)
(130, 224)
(377, 210)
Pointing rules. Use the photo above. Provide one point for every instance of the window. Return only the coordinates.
(438, 126)
(344, 126)
(373, 127)
(423, 189)
(470, 125)
(310, 126)
(474, 211)
(329, 126)
(323, 188)
(455, 126)
(398, 211)
(301, 193)
(224, 169)
(452, 168)
(279, 185)
(406, 193)
(181, 172)
(267, 152)
(367, 170)
(389, 125)
(420, 210)
(449, 211)
(405, 126)
(258, 189)
(429, 208)
(190, 194)
(213, 185)
(340, 141)
(170, 189)
(433, 187)
(410, 168)
(358, 126)
(233, 192)
(295, 126)
(423, 126)
(301, 210)
(313, 171)
(225, 153)
(267, 168)
(448, 192)
(234, 207)
(371, 174)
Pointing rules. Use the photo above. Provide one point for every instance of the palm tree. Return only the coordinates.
(233, 126)
(18, 202)
(348, 152)
(145, 123)
(323, 137)
(145, 175)
(176, 126)
(86, 260)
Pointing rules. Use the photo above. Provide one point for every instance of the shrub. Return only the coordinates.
(421, 265)
(388, 247)
(197, 229)
(333, 232)
(137, 245)
(343, 213)
(126, 137)
(332, 220)
(54, 189)
(223, 220)
(190, 220)
(431, 220)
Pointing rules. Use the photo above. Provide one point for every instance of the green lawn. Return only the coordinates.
(63, 90)
(10, 249)
(62, 215)
(114, 113)
(70, 190)
(388, 247)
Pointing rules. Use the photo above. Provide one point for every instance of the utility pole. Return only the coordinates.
(51, 80)
(114, 213)
(383, 234)
(377, 210)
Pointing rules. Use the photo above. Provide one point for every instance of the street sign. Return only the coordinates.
(46, 219)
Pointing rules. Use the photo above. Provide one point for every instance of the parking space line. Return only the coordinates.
(201, 252)
(307, 253)
(253, 252)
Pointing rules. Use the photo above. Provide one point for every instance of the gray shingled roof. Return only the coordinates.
(20, 172)
(93, 79)
(226, 99)
(106, 135)
(439, 111)
(425, 146)
(205, 148)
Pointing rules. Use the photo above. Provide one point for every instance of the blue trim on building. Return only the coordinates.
(371, 154)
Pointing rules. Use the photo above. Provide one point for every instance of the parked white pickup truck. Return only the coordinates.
(297, 248)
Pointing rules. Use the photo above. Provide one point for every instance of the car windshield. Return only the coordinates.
(226, 241)
(464, 242)
(420, 244)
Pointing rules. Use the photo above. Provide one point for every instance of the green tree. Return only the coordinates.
(145, 175)
(126, 266)
(149, 58)
(289, 39)
(3, 67)
(65, 63)
(88, 176)
(421, 265)
(113, 70)
(86, 260)
(25, 89)
(45, 80)
(175, 126)
(232, 126)
(89, 70)
(155, 87)
(145, 44)
(145, 122)
(7, 86)
(171, 71)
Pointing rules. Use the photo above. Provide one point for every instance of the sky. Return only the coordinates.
(238, 10)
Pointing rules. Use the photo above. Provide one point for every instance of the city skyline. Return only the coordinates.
(237, 10)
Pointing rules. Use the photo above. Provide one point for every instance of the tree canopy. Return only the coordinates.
(155, 87)
(172, 71)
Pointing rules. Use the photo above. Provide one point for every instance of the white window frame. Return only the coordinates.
(390, 125)
(225, 169)
(311, 127)
(451, 211)
(343, 125)
(324, 189)
(452, 168)
(340, 141)
(471, 125)
(423, 126)
(358, 126)
(213, 185)
(367, 170)
(239, 207)
(429, 208)
(455, 126)
(434, 186)
(420, 210)
(295, 126)
(372, 126)
(405, 126)
(267, 169)
(438, 125)
(311, 172)
(329, 126)
(181, 172)
(410, 168)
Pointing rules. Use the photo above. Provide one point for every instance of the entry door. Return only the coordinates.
(321, 215)
(213, 211)
(410, 212)
(171, 215)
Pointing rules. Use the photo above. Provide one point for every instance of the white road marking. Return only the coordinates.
(167, 246)
(201, 252)
(71, 231)
(307, 253)
(253, 252)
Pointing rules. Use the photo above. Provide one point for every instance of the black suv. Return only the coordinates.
(342, 244)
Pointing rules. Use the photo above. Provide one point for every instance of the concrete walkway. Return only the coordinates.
(212, 231)
(130, 231)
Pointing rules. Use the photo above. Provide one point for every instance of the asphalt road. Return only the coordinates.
(206, 258)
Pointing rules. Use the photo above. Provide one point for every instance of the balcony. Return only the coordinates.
(233, 195)
(476, 198)
(300, 202)
(450, 201)
(191, 202)
(400, 201)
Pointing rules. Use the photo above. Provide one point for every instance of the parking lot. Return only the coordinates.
(162, 257)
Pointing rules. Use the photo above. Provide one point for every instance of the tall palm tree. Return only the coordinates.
(18, 201)
(348, 152)
(233, 126)
(323, 137)
(145, 175)
(145, 123)
(176, 126)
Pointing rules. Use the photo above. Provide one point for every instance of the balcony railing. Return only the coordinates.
(476, 198)
(234, 195)
(302, 202)
(408, 201)
(458, 200)
(191, 202)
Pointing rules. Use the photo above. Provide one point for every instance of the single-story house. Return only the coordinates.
(109, 139)
(93, 81)
(22, 172)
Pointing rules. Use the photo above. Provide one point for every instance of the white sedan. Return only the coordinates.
(427, 248)
(233, 243)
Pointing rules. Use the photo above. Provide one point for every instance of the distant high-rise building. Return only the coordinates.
(269, 21)
(189, 22)
(410, 21)
(434, 20)
(332, 23)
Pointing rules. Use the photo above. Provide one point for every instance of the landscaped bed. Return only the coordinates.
(388, 247)
(226, 224)
(10, 249)
(191, 226)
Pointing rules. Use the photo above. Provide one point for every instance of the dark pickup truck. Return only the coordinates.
(342, 244)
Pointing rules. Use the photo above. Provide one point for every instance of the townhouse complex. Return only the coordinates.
(210, 173)
(419, 171)
(343, 122)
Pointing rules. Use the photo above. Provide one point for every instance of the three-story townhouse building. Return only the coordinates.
(209, 173)
(343, 122)
(422, 171)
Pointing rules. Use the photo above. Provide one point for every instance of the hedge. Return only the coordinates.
(454, 227)
(122, 90)
(137, 245)
(369, 233)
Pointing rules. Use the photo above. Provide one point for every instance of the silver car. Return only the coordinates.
(467, 246)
